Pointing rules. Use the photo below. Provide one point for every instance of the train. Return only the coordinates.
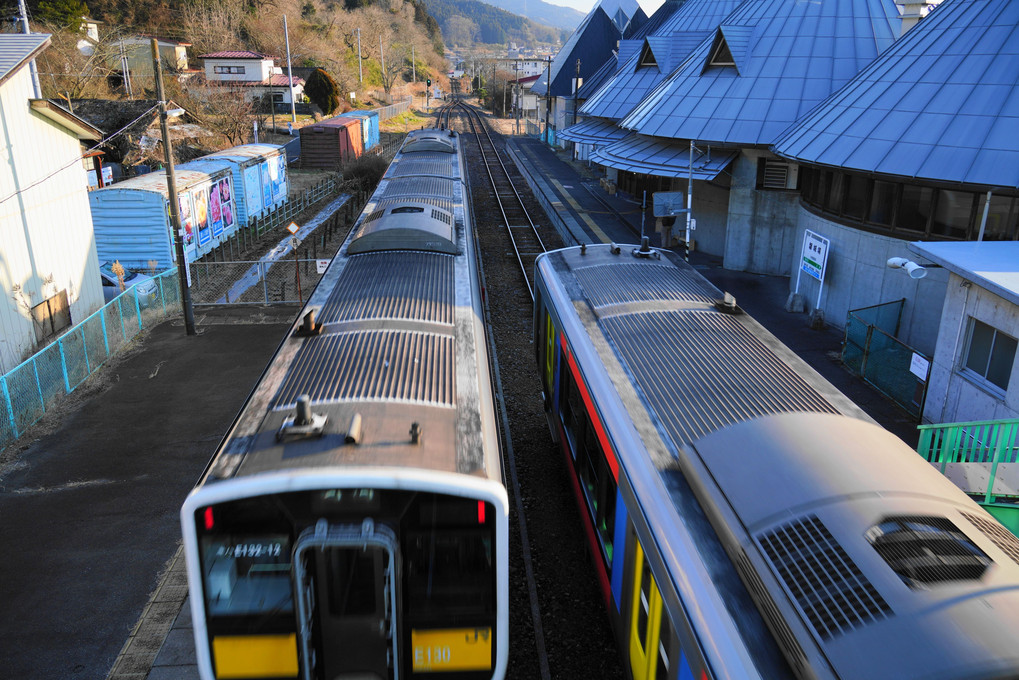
(353, 522)
(746, 519)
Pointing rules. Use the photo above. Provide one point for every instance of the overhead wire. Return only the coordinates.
(78, 159)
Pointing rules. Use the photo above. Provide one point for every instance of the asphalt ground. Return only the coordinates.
(90, 504)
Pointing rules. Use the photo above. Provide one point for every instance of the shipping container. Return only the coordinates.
(132, 222)
(369, 127)
(259, 176)
(331, 143)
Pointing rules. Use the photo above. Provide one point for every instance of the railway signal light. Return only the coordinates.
(429, 82)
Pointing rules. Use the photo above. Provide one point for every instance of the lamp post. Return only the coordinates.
(171, 189)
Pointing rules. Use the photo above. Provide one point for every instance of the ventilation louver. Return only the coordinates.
(927, 550)
(828, 586)
(999, 535)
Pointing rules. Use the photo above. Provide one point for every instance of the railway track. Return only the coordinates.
(523, 232)
(558, 624)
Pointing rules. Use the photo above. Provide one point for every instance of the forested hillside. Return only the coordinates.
(542, 12)
(323, 33)
(465, 22)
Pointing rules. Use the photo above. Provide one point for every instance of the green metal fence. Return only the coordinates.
(30, 389)
(982, 459)
(871, 350)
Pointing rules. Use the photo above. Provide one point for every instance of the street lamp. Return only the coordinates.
(171, 189)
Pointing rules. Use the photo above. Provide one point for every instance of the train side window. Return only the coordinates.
(599, 487)
(571, 409)
(664, 637)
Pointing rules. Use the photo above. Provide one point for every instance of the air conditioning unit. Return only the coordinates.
(780, 174)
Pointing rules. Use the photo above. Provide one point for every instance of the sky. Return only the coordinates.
(649, 6)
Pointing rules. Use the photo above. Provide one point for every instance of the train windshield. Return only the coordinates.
(353, 580)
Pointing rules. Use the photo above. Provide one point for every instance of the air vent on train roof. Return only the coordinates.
(999, 535)
(409, 225)
(829, 587)
(927, 550)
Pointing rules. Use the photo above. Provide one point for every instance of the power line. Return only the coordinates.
(78, 159)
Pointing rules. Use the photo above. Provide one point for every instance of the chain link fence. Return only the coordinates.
(33, 387)
(871, 350)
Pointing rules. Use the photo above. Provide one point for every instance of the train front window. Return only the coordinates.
(450, 573)
(246, 573)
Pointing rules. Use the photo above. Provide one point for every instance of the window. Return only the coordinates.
(647, 58)
(990, 353)
(882, 203)
(51, 316)
(915, 208)
(833, 201)
(228, 69)
(857, 197)
(953, 214)
(721, 55)
(1001, 218)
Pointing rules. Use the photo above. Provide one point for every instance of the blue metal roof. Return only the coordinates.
(594, 131)
(663, 157)
(593, 83)
(789, 55)
(942, 103)
(592, 43)
(670, 44)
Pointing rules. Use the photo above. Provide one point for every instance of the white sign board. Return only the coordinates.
(919, 366)
(321, 266)
(814, 257)
(293, 228)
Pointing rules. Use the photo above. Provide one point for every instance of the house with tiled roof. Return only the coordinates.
(257, 73)
(50, 274)
(917, 157)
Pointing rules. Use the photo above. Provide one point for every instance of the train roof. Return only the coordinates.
(686, 356)
(396, 344)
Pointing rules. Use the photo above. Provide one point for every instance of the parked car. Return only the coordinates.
(145, 285)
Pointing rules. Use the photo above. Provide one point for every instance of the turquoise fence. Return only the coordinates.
(871, 350)
(35, 385)
(982, 459)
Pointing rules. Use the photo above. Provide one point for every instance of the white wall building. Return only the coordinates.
(254, 71)
(49, 274)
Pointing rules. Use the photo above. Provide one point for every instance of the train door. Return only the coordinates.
(345, 577)
(649, 632)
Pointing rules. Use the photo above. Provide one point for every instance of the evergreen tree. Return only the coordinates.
(63, 13)
(323, 91)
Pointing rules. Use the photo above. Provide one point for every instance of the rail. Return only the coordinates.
(527, 243)
(982, 459)
(33, 387)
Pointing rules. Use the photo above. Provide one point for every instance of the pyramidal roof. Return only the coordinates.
(941, 104)
(765, 66)
(592, 43)
(666, 47)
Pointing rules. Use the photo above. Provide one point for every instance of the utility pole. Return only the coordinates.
(360, 76)
(382, 54)
(413, 66)
(516, 92)
(290, 73)
(171, 189)
(31, 65)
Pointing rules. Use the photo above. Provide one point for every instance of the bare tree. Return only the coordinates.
(77, 67)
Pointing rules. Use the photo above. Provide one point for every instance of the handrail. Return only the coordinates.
(980, 443)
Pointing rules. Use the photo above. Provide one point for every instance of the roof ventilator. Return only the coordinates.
(646, 250)
(309, 326)
(304, 424)
(415, 433)
(353, 435)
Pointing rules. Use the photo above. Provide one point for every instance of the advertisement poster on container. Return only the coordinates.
(252, 190)
(215, 211)
(201, 215)
(186, 223)
(279, 187)
(266, 186)
(226, 202)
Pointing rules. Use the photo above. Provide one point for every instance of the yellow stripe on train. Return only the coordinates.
(255, 656)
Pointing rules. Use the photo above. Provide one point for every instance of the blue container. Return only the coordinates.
(259, 176)
(369, 126)
(132, 222)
